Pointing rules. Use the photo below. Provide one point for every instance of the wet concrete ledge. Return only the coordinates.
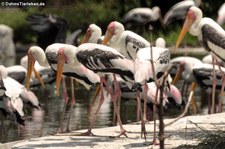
(183, 132)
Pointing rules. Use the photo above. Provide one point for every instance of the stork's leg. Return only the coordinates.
(2, 125)
(101, 89)
(122, 130)
(193, 103)
(145, 102)
(88, 132)
(143, 129)
(213, 86)
(183, 89)
(65, 97)
(73, 101)
(118, 95)
(138, 107)
(154, 141)
(116, 98)
(209, 92)
(222, 88)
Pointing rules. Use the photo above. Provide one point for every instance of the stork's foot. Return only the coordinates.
(67, 131)
(154, 141)
(87, 133)
(122, 133)
(143, 130)
(60, 130)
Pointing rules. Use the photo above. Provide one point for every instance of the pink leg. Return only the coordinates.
(102, 81)
(71, 104)
(154, 141)
(116, 98)
(65, 97)
(138, 107)
(118, 94)
(222, 88)
(213, 86)
(143, 129)
(145, 102)
(88, 133)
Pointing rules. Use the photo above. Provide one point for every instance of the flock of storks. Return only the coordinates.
(119, 64)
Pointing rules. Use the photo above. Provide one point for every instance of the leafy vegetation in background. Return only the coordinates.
(80, 14)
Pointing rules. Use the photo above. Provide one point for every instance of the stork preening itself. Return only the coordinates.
(99, 58)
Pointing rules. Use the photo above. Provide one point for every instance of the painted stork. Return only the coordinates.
(78, 71)
(17, 91)
(49, 57)
(93, 34)
(99, 58)
(209, 33)
(208, 59)
(179, 11)
(126, 42)
(139, 17)
(184, 68)
(204, 76)
(42, 75)
(221, 15)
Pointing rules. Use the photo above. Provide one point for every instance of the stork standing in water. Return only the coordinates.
(126, 42)
(150, 65)
(99, 58)
(210, 34)
(49, 57)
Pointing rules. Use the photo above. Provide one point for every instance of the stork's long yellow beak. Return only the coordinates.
(187, 24)
(178, 74)
(108, 36)
(37, 75)
(60, 65)
(86, 36)
(30, 68)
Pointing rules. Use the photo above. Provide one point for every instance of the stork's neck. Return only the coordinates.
(42, 60)
(157, 13)
(194, 30)
(70, 52)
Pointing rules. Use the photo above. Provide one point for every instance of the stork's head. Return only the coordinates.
(193, 14)
(114, 28)
(62, 59)
(33, 54)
